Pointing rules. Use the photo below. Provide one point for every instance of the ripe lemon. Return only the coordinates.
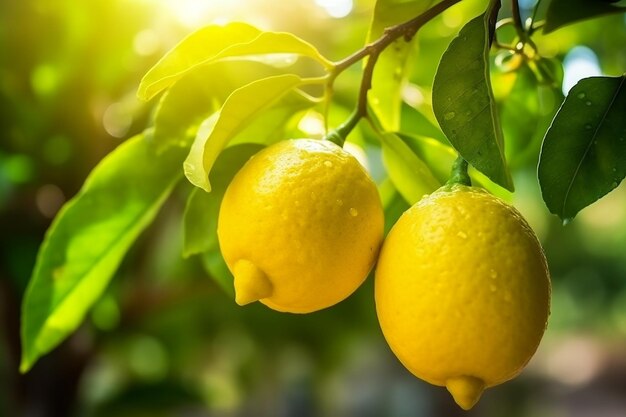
(462, 291)
(300, 226)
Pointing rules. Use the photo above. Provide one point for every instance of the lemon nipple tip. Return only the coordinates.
(466, 390)
(251, 283)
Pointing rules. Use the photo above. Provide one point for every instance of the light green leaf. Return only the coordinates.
(440, 158)
(436, 155)
(88, 239)
(193, 50)
(415, 122)
(272, 124)
(196, 96)
(410, 175)
(238, 112)
(463, 100)
(393, 203)
(583, 156)
(392, 65)
(233, 41)
(201, 212)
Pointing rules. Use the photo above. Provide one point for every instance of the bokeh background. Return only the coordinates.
(165, 340)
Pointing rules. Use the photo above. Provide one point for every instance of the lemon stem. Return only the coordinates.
(459, 173)
(339, 135)
(372, 51)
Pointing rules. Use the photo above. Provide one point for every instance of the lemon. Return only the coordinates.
(300, 226)
(462, 291)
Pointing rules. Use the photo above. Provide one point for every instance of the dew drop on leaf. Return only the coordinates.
(449, 116)
(580, 95)
(353, 212)
(588, 103)
(567, 221)
(339, 202)
(328, 164)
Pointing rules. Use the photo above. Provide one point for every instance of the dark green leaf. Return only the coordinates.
(565, 12)
(89, 238)
(463, 101)
(584, 152)
(391, 66)
(216, 267)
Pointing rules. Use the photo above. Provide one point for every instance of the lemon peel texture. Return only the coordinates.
(300, 226)
(462, 291)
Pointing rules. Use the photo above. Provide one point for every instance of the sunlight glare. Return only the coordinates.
(336, 8)
(195, 13)
(581, 62)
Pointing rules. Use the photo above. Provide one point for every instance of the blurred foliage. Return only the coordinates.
(167, 340)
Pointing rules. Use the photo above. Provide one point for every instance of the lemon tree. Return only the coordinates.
(297, 224)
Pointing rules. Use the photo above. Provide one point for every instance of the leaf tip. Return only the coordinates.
(142, 93)
(27, 363)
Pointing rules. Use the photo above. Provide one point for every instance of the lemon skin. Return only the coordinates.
(462, 291)
(300, 226)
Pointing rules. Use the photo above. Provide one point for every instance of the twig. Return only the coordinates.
(406, 30)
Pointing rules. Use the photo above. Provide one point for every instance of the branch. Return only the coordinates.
(406, 30)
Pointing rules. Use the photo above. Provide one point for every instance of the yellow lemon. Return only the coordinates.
(300, 226)
(462, 291)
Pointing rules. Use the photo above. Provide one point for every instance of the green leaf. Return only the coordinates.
(393, 203)
(410, 175)
(440, 158)
(195, 49)
(584, 152)
(201, 212)
(233, 41)
(216, 267)
(526, 108)
(187, 103)
(239, 110)
(437, 156)
(271, 124)
(392, 64)
(415, 122)
(88, 239)
(463, 100)
(565, 12)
